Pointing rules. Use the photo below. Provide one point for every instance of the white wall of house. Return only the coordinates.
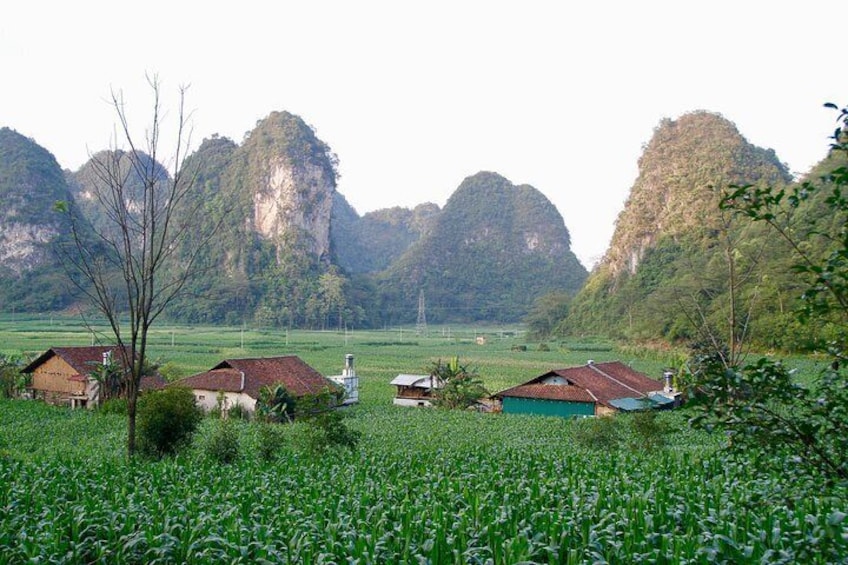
(208, 399)
(412, 402)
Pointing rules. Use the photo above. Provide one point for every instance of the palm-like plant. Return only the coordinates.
(275, 404)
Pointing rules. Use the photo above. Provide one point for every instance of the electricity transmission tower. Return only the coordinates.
(421, 324)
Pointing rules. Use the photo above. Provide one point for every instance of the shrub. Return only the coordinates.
(271, 441)
(239, 412)
(328, 430)
(223, 446)
(648, 432)
(597, 433)
(114, 406)
(544, 347)
(166, 420)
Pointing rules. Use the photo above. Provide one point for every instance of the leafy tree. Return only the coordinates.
(166, 420)
(760, 405)
(12, 381)
(310, 405)
(546, 313)
(460, 388)
(133, 264)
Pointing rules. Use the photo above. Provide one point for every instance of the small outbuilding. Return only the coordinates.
(594, 389)
(416, 390)
(63, 375)
(239, 381)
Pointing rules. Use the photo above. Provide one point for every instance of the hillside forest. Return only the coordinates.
(292, 253)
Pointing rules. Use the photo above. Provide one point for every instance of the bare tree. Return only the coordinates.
(720, 303)
(135, 261)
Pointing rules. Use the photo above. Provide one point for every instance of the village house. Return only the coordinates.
(594, 389)
(63, 375)
(239, 381)
(416, 390)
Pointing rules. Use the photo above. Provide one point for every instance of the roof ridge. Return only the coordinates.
(610, 377)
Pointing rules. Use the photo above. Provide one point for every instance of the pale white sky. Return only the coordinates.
(416, 96)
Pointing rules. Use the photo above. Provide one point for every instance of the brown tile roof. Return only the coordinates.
(609, 381)
(550, 392)
(290, 371)
(603, 382)
(152, 382)
(82, 359)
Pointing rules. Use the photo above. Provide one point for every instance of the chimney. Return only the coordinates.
(667, 375)
(348, 367)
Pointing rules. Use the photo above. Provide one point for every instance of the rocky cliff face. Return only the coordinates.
(295, 198)
(288, 175)
(682, 171)
(30, 183)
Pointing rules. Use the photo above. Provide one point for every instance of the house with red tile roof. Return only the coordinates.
(594, 389)
(239, 381)
(63, 375)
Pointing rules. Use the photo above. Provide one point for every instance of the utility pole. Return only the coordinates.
(421, 324)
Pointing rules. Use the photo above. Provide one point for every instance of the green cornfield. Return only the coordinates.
(422, 486)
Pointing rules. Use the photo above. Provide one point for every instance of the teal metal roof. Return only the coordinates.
(642, 403)
(631, 404)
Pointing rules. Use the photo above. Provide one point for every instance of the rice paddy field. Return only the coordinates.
(422, 486)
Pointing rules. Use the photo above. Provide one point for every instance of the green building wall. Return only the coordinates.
(563, 408)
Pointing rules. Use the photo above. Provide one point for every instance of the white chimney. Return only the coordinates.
(348, 380)
(667, 375)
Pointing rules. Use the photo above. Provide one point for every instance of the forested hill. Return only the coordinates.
(31, 182)
(371, 243)
(493, 249)
(667, 265)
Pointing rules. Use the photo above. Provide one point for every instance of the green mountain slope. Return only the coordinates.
(674, 255)
(492, 250)
(31, 182)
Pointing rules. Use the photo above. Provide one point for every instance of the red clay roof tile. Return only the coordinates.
(290, 371)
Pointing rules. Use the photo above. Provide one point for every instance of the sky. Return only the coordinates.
(414, 97)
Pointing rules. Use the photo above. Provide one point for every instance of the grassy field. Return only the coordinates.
(380, 355)
(422, 486)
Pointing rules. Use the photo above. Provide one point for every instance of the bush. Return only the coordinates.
(223, 446)
(239, 412)
(114, 406)
(271, 441)
(166, 421)
(328, 430)
(648, 431)
(597, 433)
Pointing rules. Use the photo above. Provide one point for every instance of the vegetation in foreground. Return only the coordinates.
(433, 486)
(429, 486)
